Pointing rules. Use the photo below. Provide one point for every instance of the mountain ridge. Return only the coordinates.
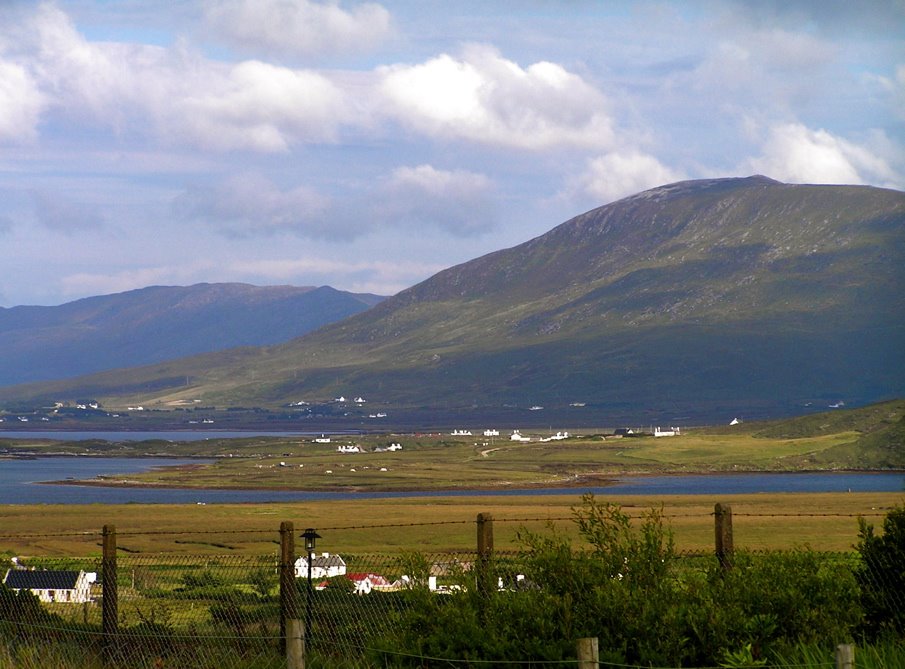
(733, 292)
(158, 323)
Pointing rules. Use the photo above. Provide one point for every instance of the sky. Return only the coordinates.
(369, 145)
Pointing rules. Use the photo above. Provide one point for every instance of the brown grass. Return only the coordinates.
(822, 521)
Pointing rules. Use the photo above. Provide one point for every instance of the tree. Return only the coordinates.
(881, 574)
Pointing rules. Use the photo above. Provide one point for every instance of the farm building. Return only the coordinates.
(322, 566)
(52, 586)
(365, 583)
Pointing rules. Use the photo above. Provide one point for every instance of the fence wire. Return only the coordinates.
(229, 611)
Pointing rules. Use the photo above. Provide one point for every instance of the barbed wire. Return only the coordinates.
(337, 528)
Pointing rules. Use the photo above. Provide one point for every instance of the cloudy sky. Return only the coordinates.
(367, 145)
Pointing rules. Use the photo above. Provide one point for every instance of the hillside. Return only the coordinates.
(158, 323)
(724, 296)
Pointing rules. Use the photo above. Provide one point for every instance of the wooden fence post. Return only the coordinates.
(295, 644)
(588, 653)
(845, 656)
(288, 594)
(722, 518)
(110, 602)
(485, 552)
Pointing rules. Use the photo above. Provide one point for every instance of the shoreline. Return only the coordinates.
(578, 481)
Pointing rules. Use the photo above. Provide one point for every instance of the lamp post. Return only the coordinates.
(310, 536)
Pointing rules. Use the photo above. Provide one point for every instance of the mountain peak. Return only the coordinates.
(695, 186)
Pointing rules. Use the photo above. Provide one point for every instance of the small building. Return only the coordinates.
(671, 432)
(365, 583)
(349, 449)
(517, 436)
(52, 586)
(624, 432)
(491, 433)
(324, 565)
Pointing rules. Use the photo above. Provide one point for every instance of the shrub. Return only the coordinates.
(881, 575)
(626, 585)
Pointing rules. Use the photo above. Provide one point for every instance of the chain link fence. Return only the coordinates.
(375, 610)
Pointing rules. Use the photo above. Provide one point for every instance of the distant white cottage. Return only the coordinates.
(671, 432)
(348, 449)
(322, 566)
(491, 433)
(391, 447)
(517, 436)
(52, 586)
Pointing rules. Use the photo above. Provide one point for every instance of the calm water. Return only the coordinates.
(18, 485)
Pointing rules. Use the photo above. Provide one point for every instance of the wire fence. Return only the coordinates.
(474, 608)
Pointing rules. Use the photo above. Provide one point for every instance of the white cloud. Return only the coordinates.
(486, 98)
(458, 202)
(21, 104)
(252, 205)
(618, 174)
(260, 106)
(175, 95)
(298, 27)
(794, 153)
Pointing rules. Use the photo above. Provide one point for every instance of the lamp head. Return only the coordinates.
(310, 536)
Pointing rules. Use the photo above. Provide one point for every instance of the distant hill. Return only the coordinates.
(154, 324)
(878, 429)
(740, 296)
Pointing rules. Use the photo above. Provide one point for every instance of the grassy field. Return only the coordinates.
(446, 462)
(821, 521)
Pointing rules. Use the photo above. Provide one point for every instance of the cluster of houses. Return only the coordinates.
(74, 587)
(354, 448)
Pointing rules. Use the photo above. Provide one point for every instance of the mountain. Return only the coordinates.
(738, 296)
(153, 324)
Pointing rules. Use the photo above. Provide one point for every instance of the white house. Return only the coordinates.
(491, 433)
(461, 433)
(348, 449)
(52, 586)
(391, 447)
(323, 439)
(517, 436)
(671, 432)
(322, 566)
(559, 436)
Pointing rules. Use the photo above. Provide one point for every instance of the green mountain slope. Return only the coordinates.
(727, 294)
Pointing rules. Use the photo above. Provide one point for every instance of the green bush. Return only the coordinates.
(626, 585)
(881, 575)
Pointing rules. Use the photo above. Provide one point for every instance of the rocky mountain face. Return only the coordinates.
(159, 323)
(733, 294)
